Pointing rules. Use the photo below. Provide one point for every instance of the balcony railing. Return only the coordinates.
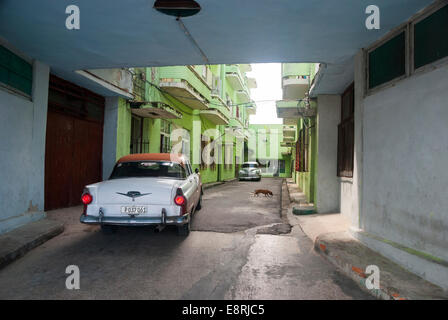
(234, 76)
(215, 116)
(243, 96)
(184, 85)
(289, 131)
(155, 110)
(296, 79)
(293, 109)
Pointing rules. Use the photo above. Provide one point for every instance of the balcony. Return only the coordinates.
(289, 131)
(251, 83)
(215, 116)
(245, 67)
(243, 96)
(184, 85)
(218, 113)
(251, 109)
(292, 109)
(290, 121)
(235, 123)
(233, 75)
(155, 110)
(287, 139)
(287, 144)
(296, 79)
(286, 151)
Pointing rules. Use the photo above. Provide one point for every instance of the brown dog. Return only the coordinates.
(263, 191)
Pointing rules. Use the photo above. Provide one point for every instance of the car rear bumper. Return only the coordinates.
(251, 177)
(135, 221)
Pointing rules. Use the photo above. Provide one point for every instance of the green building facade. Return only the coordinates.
(208, 103)
(299, 112)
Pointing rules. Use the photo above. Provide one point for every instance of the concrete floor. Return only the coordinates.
(229, 256)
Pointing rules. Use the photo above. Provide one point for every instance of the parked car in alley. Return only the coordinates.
(155, 189)
(249, 171)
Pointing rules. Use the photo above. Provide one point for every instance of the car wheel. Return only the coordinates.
(199, 205)
(107, 229)
(183, 230)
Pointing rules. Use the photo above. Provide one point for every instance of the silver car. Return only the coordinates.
(250, 171)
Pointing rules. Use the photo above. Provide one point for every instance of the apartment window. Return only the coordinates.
(165, 131)
(388, 61)
(346, 134)
(395, 58)
(430, 38)
(15, 73)
(138, 143)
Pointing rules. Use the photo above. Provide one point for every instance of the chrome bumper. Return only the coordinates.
(251, 177)
(135, 221)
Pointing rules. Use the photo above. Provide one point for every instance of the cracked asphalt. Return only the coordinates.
(241, 248)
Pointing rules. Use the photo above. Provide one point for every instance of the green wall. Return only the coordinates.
(191, 118)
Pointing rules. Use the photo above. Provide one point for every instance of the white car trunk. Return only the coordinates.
(154, 193)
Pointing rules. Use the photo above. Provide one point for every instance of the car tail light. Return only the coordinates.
(86, 198)
(181, 201)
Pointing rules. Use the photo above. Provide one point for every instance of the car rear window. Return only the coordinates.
(250, 165)
(142, 169)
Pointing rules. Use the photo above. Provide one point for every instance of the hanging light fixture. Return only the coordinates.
(177, 8)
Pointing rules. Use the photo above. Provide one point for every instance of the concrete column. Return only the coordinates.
(41, 74)
(328, 118)
(360, 84)
(110, 135)
(195, 141)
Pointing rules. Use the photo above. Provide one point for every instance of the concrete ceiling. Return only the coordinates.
(118, 33)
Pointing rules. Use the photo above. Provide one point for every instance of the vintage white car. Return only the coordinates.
(156, 189)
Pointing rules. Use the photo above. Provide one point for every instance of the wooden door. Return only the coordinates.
(74, 139)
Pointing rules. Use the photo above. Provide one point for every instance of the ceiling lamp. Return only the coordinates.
(177, 8)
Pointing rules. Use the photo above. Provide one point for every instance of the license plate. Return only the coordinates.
(133, 209)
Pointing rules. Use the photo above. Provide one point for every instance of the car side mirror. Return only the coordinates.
(196, 170)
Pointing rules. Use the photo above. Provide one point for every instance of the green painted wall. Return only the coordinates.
(306, 181)
(191, 119)
(123, 129)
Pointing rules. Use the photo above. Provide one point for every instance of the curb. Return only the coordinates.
(18, 249)
(211, 185)
(354, 272)
(217, 183)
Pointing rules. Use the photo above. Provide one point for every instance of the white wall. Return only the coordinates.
(22, 148)
(346, 200)
(328, 118)
(405, 163)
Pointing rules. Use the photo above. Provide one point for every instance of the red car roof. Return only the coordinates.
(179, 158)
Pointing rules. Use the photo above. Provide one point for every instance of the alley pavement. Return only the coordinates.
(240, 248)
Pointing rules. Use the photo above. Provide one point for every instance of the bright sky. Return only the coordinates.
(269, 87)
